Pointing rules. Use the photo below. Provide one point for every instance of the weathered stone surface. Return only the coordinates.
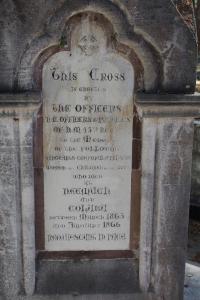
(168, 143)
(147, 200)
(135, 296)
(27, 203)
(173, 168)
(164, 194)
(87, 277)
(87, 137)
(169, 273)
(17, 248)
(161, 32)
(10, 215)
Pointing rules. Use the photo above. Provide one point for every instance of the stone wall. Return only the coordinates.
(160, 37)
(162, 33)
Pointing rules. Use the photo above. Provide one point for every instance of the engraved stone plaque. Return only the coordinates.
(87, 136)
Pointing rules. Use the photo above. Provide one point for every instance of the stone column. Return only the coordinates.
(147, 200)
(17, 225)
(11, 268)
(167, 141)
(171, 210)
(27, 203)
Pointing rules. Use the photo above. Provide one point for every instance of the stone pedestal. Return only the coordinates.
(89, 58)
(17, 225)
(167, 142)
(167, 139)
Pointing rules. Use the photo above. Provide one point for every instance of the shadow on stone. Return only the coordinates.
(87, 277)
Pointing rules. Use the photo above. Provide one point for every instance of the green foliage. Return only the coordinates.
(62, 42)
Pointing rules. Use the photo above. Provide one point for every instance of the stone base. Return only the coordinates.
(167, 141)
(113, 276)
(90, 297)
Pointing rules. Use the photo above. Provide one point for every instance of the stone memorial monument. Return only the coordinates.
(96, 135)
(87, 133)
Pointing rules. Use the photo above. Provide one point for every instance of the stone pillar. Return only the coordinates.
(147, 200)
(17, 225)
(11, 268)
(167, 141)
(173, 176)
(27, 203)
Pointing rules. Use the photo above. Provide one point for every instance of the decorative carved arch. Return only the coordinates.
(65, 45)
(112, 45)
(145, 57)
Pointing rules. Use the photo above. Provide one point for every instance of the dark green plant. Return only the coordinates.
(62, 42)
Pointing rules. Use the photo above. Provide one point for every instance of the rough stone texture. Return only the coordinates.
(115, 276)
(166, 161)
(161, 33)
(17, 249)
(172, 207)
(27, 203)
(136, 296)
(147, 199)
(166, 173)
(195, 187)
(10, 216)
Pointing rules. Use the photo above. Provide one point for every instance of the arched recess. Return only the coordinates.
(52, 39)
(112, 42)
(128, 56)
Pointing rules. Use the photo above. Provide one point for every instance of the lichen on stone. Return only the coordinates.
(186, 11)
